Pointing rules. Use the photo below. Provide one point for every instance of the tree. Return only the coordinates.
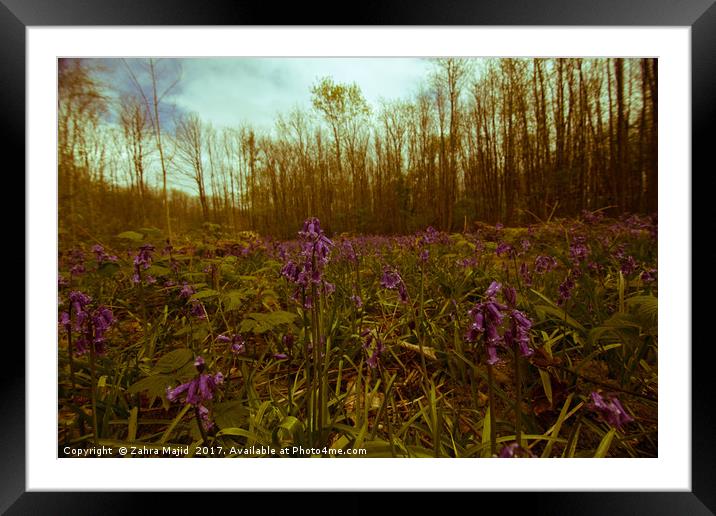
(152, 101)
(134, 122)
(189, 146)
(344, 109)
(80, 107)
(448, 80)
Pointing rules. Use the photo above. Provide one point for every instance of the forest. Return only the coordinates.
(469, 270)
(524, 140)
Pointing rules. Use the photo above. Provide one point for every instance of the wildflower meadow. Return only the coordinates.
(538, 341)
(359, 257)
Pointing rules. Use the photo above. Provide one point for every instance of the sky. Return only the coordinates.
(228, 92)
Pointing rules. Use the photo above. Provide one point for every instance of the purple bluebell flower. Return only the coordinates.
(595, 267)
(199, 389)
(186, 291)
(519, 332)
(487, 317)
(504, 248)
(290, 271)
(525, 244)
(206, 422)
(77, 269)
(76, 259)
(91, 324)
(610, 409)
(173, 394)
(328, 288)
(592, 217)
(197, 309)
(280, 356)
(578, 251)
(628, 265)
(392, 280)
(143, 258)
(357, 300)
(493, 289)
(288, 340)
(376, 352)
(648, 275)
(466, 263)
(314, 254)
(348, 252)
(514, 450)
(65, 320)
(402, 293)
(79, 300)
(238, 344)
(508, 451)
(510, 296)
(102, 319)
(565, 290)
(102, 256)
(545, 264)
(525, 274)
(142, 261)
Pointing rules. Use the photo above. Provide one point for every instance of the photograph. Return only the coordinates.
(339, 257)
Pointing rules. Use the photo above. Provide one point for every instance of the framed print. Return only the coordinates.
(428, 238)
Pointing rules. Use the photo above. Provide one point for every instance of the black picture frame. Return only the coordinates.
(700, 15)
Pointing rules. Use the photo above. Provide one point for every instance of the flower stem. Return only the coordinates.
(491, 402)
(70, 356)
(197, 416)
(419, 326)
(93, 393)
(518, 399)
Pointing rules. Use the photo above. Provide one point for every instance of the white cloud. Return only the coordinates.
(231, 91)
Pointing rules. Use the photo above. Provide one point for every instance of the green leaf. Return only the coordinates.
(132, 424)
(157, 270)
(290, 425)
(156, 385)
(230, 414)
(572, 445)
(557, 426)
(261, 323)
(168, 432)
(108, 268)
(603, 447)
(131, 235)
(646, 308)
(240, 432)
(560, 314)
(593, 354)
(281, 317)
(155, 233)
(546, 384)
(173, 361)
(204, 294)
(233, 299)
(486, 434)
